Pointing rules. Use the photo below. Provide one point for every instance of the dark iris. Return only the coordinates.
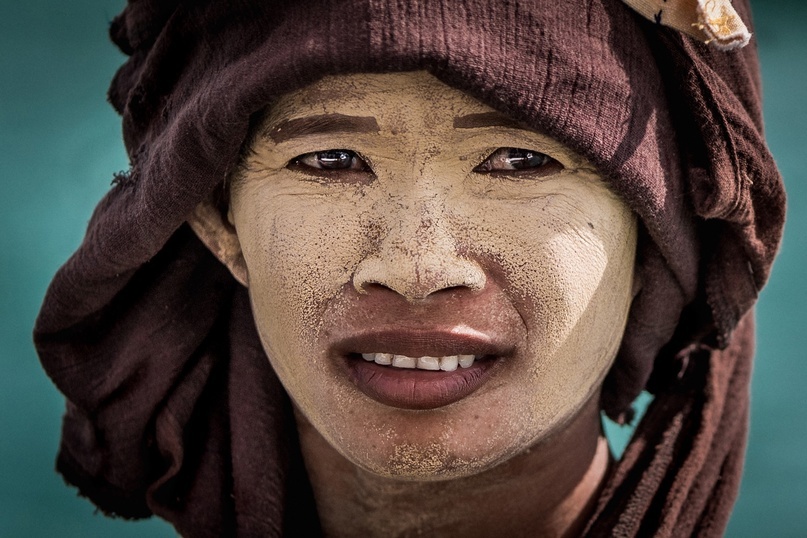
(335, 159)
(517, 160)
(522, 159)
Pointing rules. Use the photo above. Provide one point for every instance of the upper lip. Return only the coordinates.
(420, 342)
(458, 323)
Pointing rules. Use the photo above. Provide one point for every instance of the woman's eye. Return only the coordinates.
(331, 159)
(515, 160)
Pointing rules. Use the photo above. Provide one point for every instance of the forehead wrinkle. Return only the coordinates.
(320, 124)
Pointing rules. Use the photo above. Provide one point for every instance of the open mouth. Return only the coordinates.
(421, 369)
(426, 382)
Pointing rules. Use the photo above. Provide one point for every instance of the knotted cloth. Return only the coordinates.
(172, 407)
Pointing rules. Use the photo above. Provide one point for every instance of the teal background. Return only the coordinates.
(60, 144)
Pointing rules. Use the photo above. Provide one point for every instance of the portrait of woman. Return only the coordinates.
(380, 269)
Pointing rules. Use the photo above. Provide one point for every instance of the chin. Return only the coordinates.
(460, 440)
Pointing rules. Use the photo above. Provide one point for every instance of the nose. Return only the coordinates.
(418, 257)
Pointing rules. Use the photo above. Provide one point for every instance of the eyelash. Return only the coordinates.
(538, 164)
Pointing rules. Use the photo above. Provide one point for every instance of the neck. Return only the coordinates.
(547, 490)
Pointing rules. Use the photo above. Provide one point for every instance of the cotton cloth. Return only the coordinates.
(172, 407)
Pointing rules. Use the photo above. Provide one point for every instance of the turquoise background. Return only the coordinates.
(60, 144)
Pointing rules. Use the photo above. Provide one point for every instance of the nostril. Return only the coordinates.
(374, 287)
(452, 290)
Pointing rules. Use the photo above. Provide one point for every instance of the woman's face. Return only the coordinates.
(437, 287)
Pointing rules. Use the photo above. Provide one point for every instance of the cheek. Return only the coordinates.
(568, 268)
(552, 259)
(300, 252)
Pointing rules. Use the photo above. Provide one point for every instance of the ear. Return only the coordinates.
(219, 235)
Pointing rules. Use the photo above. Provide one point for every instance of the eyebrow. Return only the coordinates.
(321, 124)
(485, 119)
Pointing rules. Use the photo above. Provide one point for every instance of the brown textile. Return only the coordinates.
(172, 406)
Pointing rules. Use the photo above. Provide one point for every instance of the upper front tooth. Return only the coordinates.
(449, 364)
(466, 360)
(402, 361)
(429, 363)
(383, 358)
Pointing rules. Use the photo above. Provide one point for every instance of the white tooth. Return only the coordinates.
(369, 357)
(466, 360)
(383, 358)
(449, 364)
(402, 361)
(429, 363)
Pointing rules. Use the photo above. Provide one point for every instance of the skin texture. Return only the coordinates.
(418, 235)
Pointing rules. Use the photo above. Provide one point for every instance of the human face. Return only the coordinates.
(378, 215)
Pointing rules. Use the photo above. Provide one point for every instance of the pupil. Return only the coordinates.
(335, 159)
(521, 159)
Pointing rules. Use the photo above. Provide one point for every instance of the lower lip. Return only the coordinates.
(410, 388)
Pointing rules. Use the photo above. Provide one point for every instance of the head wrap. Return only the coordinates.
(172, 406)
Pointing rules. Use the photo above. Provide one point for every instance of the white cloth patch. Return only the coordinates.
(714, 22)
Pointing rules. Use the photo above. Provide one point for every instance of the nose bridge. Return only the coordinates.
(421, 221)
(418, 255)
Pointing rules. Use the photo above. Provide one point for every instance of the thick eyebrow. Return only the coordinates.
(485, 119)
(321, 124)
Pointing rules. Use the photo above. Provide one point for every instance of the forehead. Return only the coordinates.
(392, 100)
(408, 111)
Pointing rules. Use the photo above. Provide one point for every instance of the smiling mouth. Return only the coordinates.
(419, 368)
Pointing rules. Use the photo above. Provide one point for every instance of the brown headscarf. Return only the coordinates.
(173, 408)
